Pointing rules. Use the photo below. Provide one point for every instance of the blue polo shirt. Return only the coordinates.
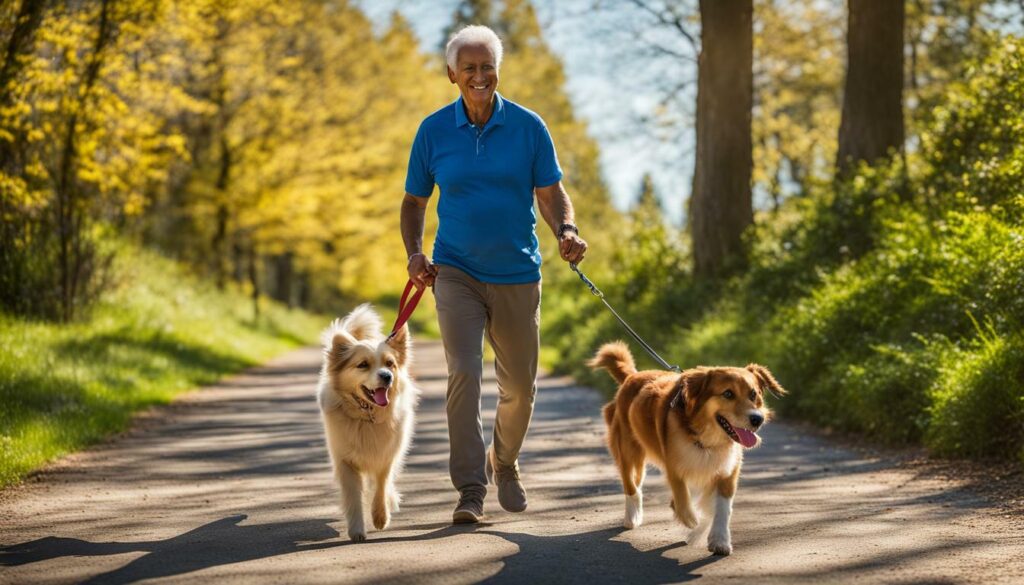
(487, 176)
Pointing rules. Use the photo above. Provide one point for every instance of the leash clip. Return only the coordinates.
(593, 287)
(650, 350)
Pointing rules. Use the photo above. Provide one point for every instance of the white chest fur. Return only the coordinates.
(701, 466)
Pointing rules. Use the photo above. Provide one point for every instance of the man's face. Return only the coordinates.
(476, 74)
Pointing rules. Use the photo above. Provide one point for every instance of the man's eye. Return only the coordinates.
(728, 394)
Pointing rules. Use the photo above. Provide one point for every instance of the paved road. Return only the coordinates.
(232, 484)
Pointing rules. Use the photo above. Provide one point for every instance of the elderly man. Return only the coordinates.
(489, 156)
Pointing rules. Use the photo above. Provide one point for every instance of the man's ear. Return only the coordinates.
(766, 380)
(402, 344)
(451, 75)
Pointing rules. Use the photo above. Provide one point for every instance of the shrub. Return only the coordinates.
(978, 398)
(865, 298)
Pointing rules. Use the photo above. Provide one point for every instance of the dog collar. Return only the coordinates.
(366, 409)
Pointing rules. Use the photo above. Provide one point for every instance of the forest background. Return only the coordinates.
(189, 187)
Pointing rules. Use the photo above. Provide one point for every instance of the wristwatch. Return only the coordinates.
(565, 227)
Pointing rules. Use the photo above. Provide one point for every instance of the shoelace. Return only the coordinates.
(470, 499)
(507, 473)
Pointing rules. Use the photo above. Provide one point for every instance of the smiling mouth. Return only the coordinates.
(738, 434)
(480, 88)
(378, 396)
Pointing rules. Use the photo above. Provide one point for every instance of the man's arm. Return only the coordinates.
(414, 211)
(556, 209)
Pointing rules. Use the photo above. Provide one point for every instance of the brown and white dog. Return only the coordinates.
(367, 403)
(698, 442)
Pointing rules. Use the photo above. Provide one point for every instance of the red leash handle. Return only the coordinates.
(405, 310)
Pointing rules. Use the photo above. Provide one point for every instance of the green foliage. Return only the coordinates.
(887, 342)
(646, 281)
(798, 74)
(976, 145)
(890, 304)
(256, 140)
(977, 402)
(157, 333)
(71, 158)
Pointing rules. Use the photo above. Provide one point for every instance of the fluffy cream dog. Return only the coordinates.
(367, 403)
(697, 441)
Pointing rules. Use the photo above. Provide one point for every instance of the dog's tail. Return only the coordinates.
(616, 358)
(609, 412)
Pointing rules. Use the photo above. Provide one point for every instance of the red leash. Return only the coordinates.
(405, 310)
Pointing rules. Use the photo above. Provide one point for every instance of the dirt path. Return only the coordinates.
(233, 484)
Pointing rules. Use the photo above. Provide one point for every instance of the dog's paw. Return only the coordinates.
(357, 536)
(634, 511)
(687, 515)
(694, 535)
(381, 519)
(719, 544)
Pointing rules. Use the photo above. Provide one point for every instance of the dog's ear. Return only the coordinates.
(402, 344)
(694, 385)
(766, 380)
(336, 343)
(362, 323)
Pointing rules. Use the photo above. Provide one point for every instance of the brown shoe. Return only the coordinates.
(470, 508)
(511, 493)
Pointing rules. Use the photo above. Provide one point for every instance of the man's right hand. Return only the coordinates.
(421, 270)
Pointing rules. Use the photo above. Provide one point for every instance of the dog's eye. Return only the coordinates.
(728, 394)
(753, 395)
(390, 364)
(363, 365)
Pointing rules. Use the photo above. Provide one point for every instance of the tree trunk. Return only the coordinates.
(254, 281)
(221, 228)
(283, 276)
(12, 259)
(872, 120)
(22, 41)
(721, 206)
(69, 207)
(304, 291)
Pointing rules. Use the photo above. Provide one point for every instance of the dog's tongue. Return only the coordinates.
(747, 438)
(380, 396)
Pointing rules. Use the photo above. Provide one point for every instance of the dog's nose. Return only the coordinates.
(756, 420)
(385, 376)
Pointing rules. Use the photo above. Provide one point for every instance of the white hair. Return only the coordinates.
(474, 34)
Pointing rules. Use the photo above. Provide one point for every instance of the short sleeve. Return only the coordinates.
(418, 179)
(546, 170)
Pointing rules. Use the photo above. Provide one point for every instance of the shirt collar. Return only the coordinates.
(497, 116)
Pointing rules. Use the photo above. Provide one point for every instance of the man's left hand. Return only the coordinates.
(572, 248)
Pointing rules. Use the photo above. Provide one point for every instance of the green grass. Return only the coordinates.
(157, 333)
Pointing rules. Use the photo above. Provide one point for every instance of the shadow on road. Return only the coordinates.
(571, 558)
(591, 557)
(210, 545)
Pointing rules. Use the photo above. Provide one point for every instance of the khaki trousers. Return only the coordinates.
(510, 316)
